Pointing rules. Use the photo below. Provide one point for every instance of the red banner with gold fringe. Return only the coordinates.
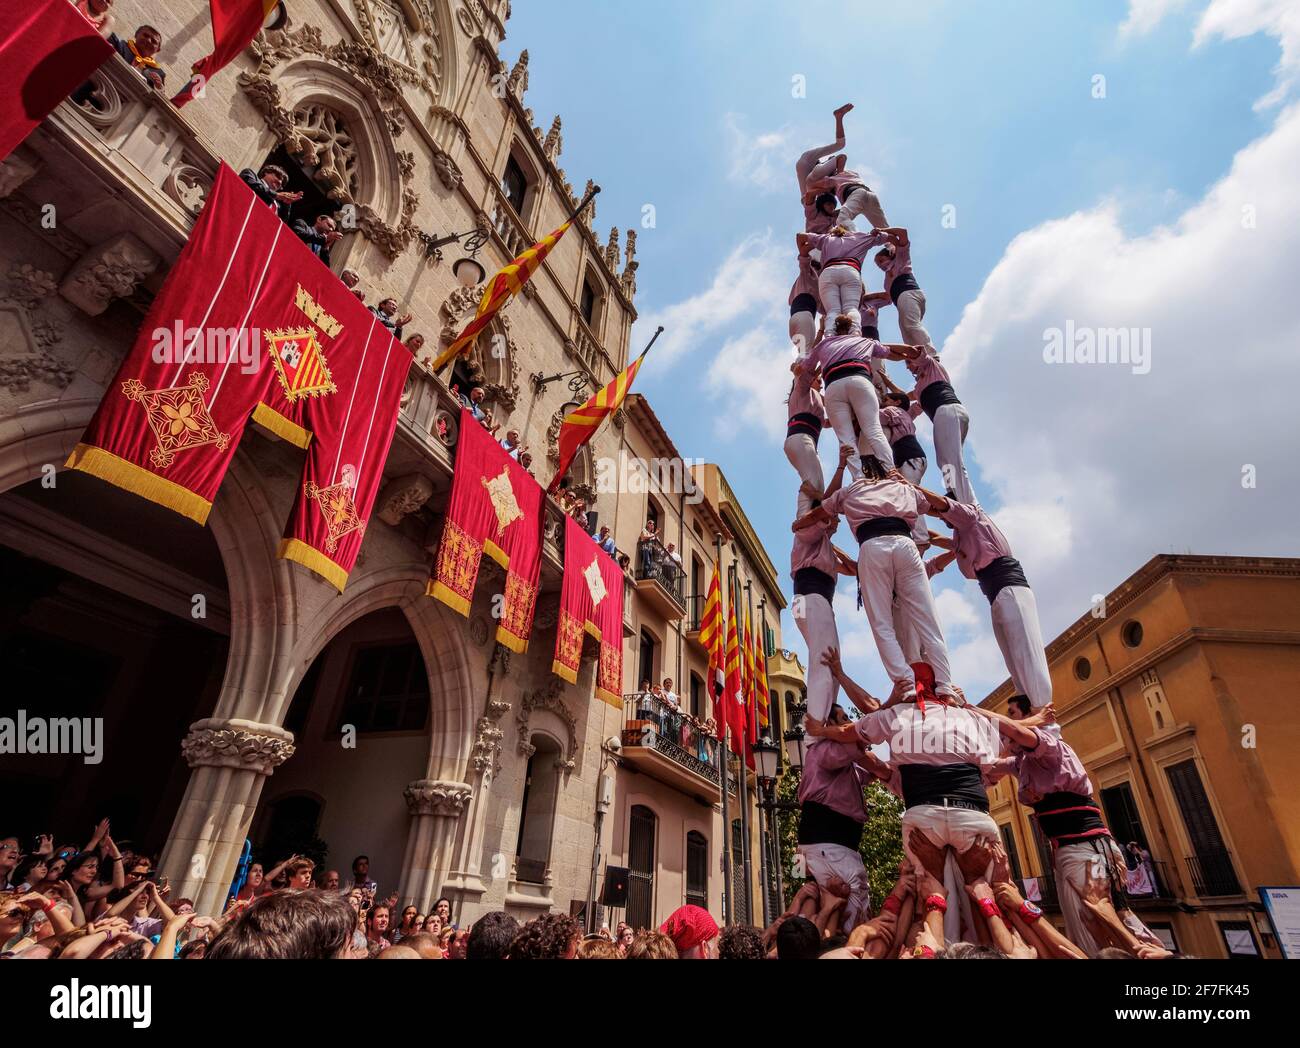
(495, 508)
(591, 602)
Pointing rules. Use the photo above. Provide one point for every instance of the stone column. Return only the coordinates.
(435, 806)
(230, 759)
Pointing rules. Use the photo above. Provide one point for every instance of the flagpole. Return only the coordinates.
(744, 772)
(775, 722)
(723, 762)
(763, 857)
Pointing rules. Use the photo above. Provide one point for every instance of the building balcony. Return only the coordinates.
(694, 617)
(660, 580)
(1213, 874)
(662, 742)
(1149, 887)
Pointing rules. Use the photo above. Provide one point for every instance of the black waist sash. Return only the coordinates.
(907, 447)
(903, 282)
(877, 526)
(846, 191)
(936, 395)
(814, 580)
(998, 574)
(871, 331)
(932, 783)
(804, 302)
(846, 369)
(1069, 817)
(819, 824)
(804, 422)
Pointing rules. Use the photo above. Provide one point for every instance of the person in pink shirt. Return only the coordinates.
(881, 508)
(842, 252)
(814, 565)
(983, 554)
(1052, 780)
(805, 304)
(805, 421)
(909, 456)
(933, 394)
(98, 14)
(818, 217)
(855, 197)
(895, 259)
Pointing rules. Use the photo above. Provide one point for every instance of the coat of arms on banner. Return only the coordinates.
(299, 363)
(337, 507)
(178, 417)
(504, 503)
(595, 583)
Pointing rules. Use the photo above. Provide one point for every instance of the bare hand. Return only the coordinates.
(927, 853)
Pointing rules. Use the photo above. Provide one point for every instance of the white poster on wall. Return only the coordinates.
(1283, 906)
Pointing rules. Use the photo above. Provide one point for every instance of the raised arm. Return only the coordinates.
(857, 694)
(815, 516)
(897, 234)
(834, 732)
(1012, 731)
(837, 481)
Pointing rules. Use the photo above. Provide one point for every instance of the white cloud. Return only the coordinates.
(1095, 468)
(759, 159)
(1234, 20)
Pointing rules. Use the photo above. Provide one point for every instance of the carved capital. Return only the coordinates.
(15, 170)
(436, 797)
(211, 745)
(113, 269)
(403, 496)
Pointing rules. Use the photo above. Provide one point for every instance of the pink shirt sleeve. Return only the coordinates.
(875, 727)
(959, 515)
(835, 502)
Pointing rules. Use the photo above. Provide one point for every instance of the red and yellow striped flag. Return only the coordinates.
(733, 700)
(501, 288)
(580, 424)
(234, 25)
(761, 692)
(751, 686)
(711, 636)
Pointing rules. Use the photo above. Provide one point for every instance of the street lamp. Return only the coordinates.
(767, 758)
(796, 740)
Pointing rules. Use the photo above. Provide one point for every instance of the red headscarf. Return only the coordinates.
(688, 926)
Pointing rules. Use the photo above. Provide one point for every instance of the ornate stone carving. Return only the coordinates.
(436, 797)
(518, 81)
(16, 169)
(619, 418)
(612, 252)
(188, 186)
(478, 630)
(111, 270)
(235, 748)
(446, 170)
(316, 133)
(629, 271)
(459, 305)
(554, 142)
(548, 698)
(589, 212)
(27, 289)
(487, 737)
(403, 496)
(553, 435)
(28, 285)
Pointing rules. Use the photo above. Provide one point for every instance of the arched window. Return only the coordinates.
(646, 665)
(641, 867)
(697, 870)
(514, 184)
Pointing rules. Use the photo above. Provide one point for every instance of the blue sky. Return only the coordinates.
(1068, 207)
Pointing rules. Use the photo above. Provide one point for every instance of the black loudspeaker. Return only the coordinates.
(615, 893)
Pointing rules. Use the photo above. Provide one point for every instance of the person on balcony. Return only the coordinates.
(351, 278)
(1052, 780)
(269, 185)
(319, 237)
(386, 311)
(672, 713)
(139, 51)
(649, 548)
(647, 704)
(606, 540)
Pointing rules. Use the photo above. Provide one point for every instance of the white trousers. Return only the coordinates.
(825, 862)
(862, 202)
(815, 619)
(854, 397)
(1071, 864)
(951, 423)
(807, 168)
(955, 828)
(914, 470)
(911, 311)
(1020, 638)
(840, 288)
(890, 567)
(801, 450)
(803, 332)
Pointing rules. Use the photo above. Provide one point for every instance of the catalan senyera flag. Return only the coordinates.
(47, 49)
(712, 637)
(751, 713)
(591, 602)
(761, 693)
(733, 706)
(234, 24)
(581, 423)
(501, 288)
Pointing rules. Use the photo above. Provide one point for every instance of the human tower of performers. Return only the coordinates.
(954, 886)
